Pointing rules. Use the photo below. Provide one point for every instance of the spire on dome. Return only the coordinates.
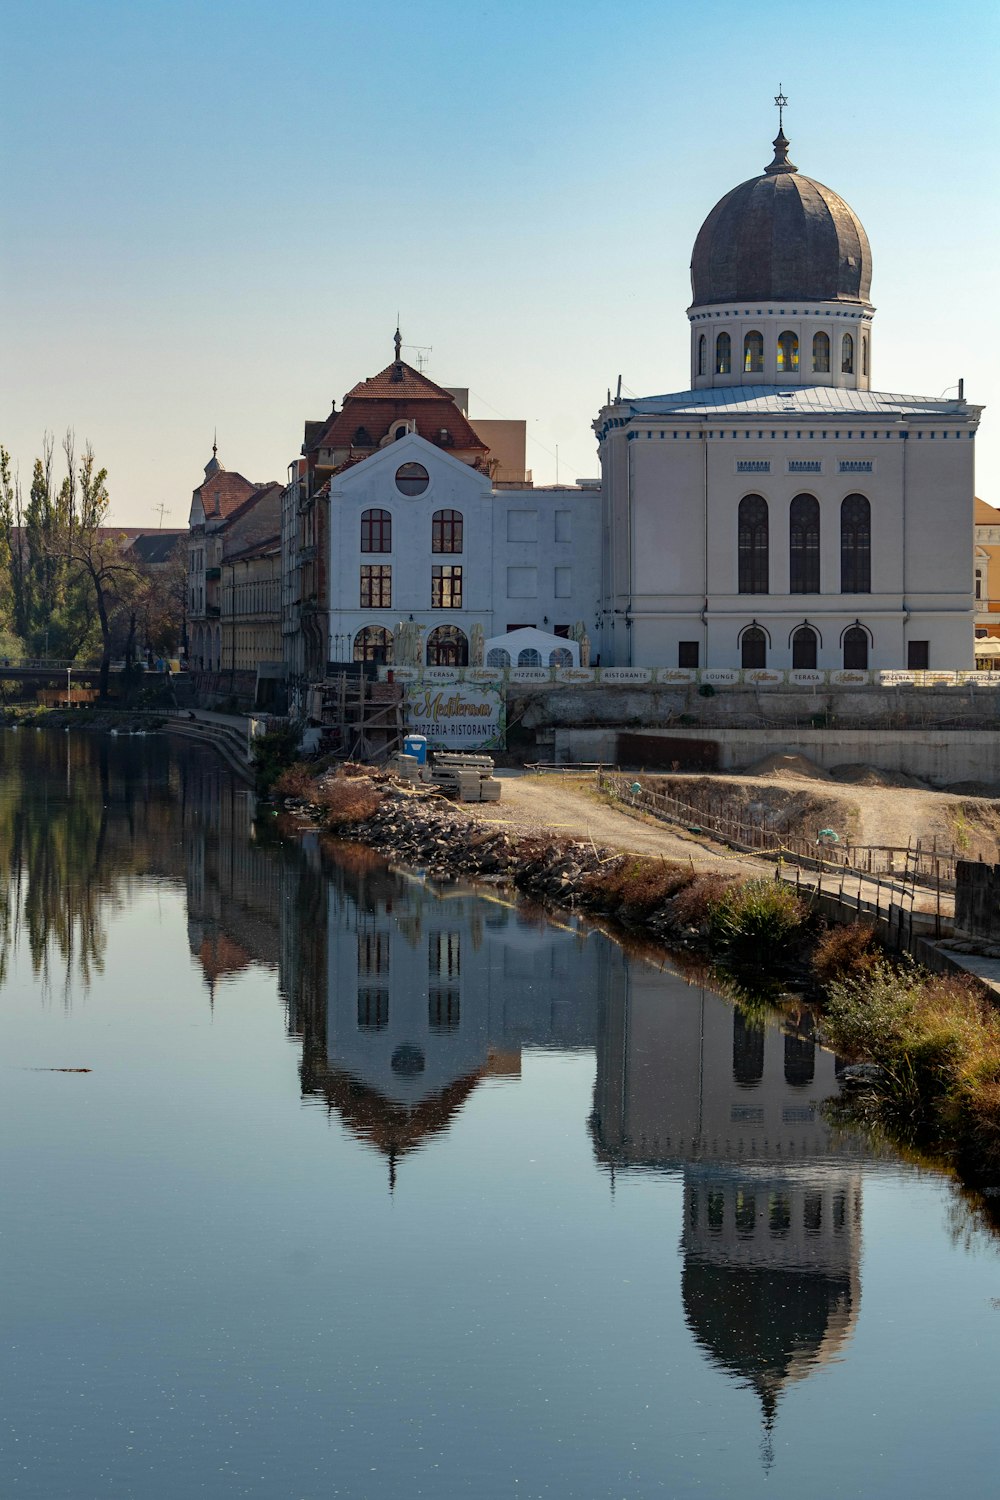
(781, 162)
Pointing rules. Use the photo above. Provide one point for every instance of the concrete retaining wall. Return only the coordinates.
(937, 756)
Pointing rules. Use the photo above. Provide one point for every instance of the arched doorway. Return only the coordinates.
(373, 644)
(856, 649)
(753, 647)
(447, 646)
(804, 649)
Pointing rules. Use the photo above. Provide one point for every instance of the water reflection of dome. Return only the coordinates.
(768, 1326)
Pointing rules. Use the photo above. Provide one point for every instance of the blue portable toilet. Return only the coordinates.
(416, 745)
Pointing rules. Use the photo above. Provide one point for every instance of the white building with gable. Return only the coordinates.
(421, 540)
(781, 512)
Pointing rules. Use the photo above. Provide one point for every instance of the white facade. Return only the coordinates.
(675, 470)
(781, 513)
(525, 557)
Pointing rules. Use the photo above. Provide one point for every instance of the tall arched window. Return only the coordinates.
(753, 557)
(821, 353)
(855, 546)
(702, 347)
(864, 354)
(373, 644)
(753, 354)
(803, 545)
(804, 649)
(446, 531)
(847, 355)
(753, 647)
(856, 649)
(723, 354)
(447, 646)
(788, 351)
(748, 1051)
(376, 531)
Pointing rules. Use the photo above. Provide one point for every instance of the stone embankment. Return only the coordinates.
(430, 835)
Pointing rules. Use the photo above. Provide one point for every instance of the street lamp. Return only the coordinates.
(69, 674)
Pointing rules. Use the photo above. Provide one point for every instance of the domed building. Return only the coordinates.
(781, 513)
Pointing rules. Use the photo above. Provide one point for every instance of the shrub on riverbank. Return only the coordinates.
(846, 952)
(759, 918)
(273, 753)
(936, 1041)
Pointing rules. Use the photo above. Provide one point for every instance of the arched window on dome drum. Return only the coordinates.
(804, 649)
(753, 545)
(856, 649)
(788, 351)
(855, 546)
(446, 531)
(702, 347)
(847, 355)
(723, 354)
(821, 354)
(753, 354)
(447, 646)
(803, 545)
(753, 647)
(864, 354)
(373, 644)
(376, 531)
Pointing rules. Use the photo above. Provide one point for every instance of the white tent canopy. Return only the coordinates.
(530, 648)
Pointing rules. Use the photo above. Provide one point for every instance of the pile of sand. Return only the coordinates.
(796, 767)
(863, 775)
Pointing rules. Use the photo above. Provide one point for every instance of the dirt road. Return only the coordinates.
(570, 808)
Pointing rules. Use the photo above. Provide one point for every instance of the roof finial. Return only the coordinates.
(215, 441)
(398, 341)
(781, 162)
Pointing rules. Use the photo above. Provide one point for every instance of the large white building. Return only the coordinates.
(781, 512)
(420, 539)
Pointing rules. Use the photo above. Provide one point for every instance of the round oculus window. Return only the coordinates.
(412, 479)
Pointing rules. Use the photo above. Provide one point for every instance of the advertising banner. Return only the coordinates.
(456, 715)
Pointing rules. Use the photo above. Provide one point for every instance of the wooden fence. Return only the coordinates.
(928, 864)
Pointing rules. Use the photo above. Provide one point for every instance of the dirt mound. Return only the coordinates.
(797, 767)
(987, 789)
(863, 775)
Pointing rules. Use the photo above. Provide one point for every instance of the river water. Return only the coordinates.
(377, 1190)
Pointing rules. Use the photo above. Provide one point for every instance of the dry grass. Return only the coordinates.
(346, 800)
(846, 952)
(693, 906)
(296, 781)
(636, 888)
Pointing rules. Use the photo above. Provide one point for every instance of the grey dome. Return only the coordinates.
(781, 236)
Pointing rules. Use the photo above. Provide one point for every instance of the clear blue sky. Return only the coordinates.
(212, 212)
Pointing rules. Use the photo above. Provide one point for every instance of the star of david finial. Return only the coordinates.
(781, 100)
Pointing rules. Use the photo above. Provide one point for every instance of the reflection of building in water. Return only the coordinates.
(233, 887)
(772, 1192)
(427, 992)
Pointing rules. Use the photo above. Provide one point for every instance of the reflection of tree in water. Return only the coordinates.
(81, 816)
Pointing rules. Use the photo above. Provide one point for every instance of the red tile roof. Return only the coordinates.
(222, 493)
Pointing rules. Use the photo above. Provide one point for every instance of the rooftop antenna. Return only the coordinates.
(424, 351)
(163, 509)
